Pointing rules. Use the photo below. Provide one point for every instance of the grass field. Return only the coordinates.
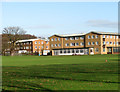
(34, 73)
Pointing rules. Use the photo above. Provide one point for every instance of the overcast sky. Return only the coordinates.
(48, 18)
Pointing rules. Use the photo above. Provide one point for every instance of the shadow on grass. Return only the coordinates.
(71, 72)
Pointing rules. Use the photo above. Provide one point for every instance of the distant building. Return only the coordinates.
(84, 44)
(39, 46)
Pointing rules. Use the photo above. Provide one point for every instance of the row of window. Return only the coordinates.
(93, 36)
(111, 43)
(107, 36)
(67, 44)
(67, 38)
(24, 43)
(41, 47)
(92, 43)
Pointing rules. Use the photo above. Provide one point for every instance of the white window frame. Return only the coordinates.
(35, 42)
(107, 36)
(76, 44)
(71, 38)
(52, 39)
(96, 43)
(76, 38)
(93, 36)
(58, 39)
(55, 39)
(35, 47)
(110, 36)
(89, 43)
(93, 42)
(88, 36)
(96, 36)
(52, 45)
(66, 38)
(107, 43)
(59, 45)
(55, 45)
(81, 37)
(67, 44)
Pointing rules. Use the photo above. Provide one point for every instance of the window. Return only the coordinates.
(35, 47)
(24, 43)
(46, 42)
(110, 43)
(107, 42)
(67, 44)
(77, 51)
(73, 51)
(103, 49)
(52, 39)
(46, 47)
(114, 43)
(81, 51)
(88, 37)
(51, 45)
(76, 44)
(103, 36)
(41, 42)
(82, 43)
(96, 36)
(71, 38)
(35, 42)
(82, 37)
(58, 39)
(55, 45)
(39, 47)
(42, 47)
(107, 36)
(96, 49)
(116, 37)
(93, 36)
(117, 43)
(93, 43)
(27, 47)
(55, 39)
(72, 44)
(96, 43)
(59, 45)
(89, 43)
(66, 38)
(60, 51)
(111, 36)
(103, 42)
(68, 51)
(64, 51)
(76, 38)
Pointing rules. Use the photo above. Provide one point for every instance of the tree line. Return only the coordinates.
(10, 35)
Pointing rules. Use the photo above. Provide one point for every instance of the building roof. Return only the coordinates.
(105, 33)
(69, 35)
(29, 40)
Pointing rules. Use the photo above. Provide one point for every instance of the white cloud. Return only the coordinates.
(102, 23)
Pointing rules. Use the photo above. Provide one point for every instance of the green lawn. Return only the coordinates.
(34, 73)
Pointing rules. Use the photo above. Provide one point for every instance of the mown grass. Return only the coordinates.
(32, 73)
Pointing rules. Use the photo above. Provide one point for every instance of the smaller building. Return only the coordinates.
(30, 46)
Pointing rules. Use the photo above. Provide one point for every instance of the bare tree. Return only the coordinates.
(12, 34)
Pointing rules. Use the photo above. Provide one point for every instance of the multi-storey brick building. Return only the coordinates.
(40, 46)
(89, 43)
